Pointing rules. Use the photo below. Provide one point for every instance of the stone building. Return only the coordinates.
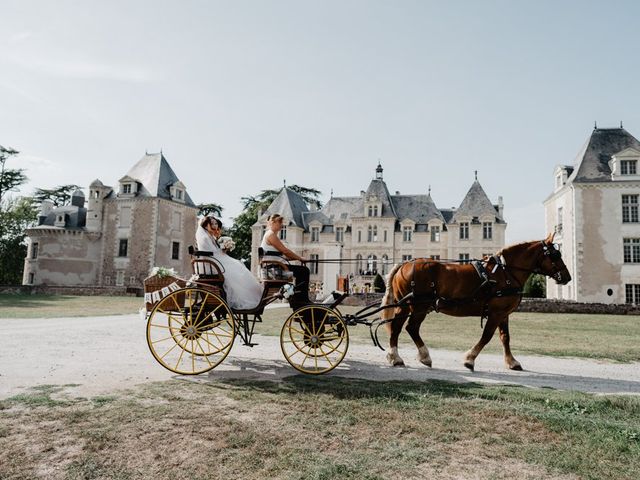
(594, 212)
(116, 236)
(372, 231)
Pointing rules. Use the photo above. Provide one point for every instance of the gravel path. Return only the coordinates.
(100, 354)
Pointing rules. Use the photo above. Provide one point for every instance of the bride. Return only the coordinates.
(243, 290)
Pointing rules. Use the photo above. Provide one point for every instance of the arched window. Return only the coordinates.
(359, 264)
(385, 261)
(370, 210)
(372, 265)
(375, 211)
(372, 233)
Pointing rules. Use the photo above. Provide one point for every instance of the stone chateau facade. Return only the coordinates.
(594, 210)
(375, 229)
(116, 236)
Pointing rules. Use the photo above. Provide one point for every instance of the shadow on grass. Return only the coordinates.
(31, 301)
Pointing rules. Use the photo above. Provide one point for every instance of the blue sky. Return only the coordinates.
(241, 95)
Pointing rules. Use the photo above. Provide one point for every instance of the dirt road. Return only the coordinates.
(100, 354)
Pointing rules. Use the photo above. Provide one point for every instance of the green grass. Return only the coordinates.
(326, 428)
(52, 306)
(613, 337)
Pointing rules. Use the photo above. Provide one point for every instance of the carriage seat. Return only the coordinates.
(272, 271)
(207, 268)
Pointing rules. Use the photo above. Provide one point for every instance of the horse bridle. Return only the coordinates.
(554, 254)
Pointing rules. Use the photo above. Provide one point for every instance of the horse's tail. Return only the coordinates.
(389, 297)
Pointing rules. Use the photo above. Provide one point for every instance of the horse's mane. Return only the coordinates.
(515, 246)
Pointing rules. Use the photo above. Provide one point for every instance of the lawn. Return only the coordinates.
(52, 306)
(319, 428)
(613, 337)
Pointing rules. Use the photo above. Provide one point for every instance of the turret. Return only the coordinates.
(97, 193)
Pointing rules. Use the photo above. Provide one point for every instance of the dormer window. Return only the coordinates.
(178, 194)
(628, 167)
(126, 188)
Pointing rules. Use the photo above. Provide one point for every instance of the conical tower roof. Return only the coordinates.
(475, 204)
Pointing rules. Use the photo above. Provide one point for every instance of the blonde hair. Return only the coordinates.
(274, 217)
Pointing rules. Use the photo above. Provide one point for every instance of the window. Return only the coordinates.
(175, 250)
(31, 278)
(340, 234)
(385, 262)
(315, 234)
(559, 220)
(372, 233)
(375, 210)
(407, 233)
(385, 236)
(631, 249)
(372, 265)
(435, 233)
(34, 250)
(122, 248)
(126, 188)
(463, 257)
(120, 278)
(372, 211)
(107, 280)
(359, 263)
(177, 221)
(283, 233)
(628, 167)
(435, 257)
(632, 293)
(406, 258)
(125, 217)
(359, 236)
(132, 281)
(487, 230)
(178, 194)
(629, 208)
(464, 231)
(313, 266)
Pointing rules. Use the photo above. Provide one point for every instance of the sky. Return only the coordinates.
(241, 96)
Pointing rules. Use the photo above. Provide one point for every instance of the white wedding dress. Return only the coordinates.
(243, 290)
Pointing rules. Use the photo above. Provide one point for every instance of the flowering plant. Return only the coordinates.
(227, 244)
(163, 272)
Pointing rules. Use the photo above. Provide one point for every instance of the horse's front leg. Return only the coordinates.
(509, 360)
(413, 327)
(487, 335)
(395, 327)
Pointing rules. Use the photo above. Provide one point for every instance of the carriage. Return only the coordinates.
(191, 328)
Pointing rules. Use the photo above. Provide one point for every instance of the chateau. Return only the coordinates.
(147, 220)
(594, 211)
(374, 230)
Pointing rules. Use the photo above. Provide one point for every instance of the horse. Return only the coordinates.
(491, 289)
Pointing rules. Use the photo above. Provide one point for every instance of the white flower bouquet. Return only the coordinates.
(227, 244)
(162, 272)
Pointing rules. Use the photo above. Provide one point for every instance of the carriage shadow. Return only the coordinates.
(274, 375)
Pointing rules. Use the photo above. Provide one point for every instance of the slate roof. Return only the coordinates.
(419, 208)
(475, 204)
(592, 162)
(378, 188)
(290, 205)
(155, 175)
(75, 217)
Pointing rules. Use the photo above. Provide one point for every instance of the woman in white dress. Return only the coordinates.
(243, 290)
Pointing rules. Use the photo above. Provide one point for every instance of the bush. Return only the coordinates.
(535, 287)
(378, 284)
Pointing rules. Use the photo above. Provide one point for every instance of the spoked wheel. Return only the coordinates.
(314, 339)
(190, 331)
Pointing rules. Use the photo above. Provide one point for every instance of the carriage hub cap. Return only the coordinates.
(314, 340)
(191, 331)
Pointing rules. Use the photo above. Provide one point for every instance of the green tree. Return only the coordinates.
(15, 216)
(60, 195)
(535, 286)
(241, 229)
(378, 284)
(209, 209)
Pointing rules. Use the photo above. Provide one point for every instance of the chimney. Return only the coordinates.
(500, 206)
(397, 192)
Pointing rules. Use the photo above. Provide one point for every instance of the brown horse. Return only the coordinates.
(492, 290)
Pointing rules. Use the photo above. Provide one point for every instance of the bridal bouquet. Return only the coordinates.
(227, 244)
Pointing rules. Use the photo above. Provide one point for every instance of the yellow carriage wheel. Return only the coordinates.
(314, 339)
(190, 331)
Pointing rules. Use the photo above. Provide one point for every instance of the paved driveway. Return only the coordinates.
(100, 354)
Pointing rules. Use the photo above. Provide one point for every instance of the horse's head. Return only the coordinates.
(550, 262)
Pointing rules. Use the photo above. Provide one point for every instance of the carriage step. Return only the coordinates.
(250, 344)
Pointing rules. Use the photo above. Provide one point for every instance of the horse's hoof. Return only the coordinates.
(425, 362)
(395, 361)
(517, 367)
(469, 365)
